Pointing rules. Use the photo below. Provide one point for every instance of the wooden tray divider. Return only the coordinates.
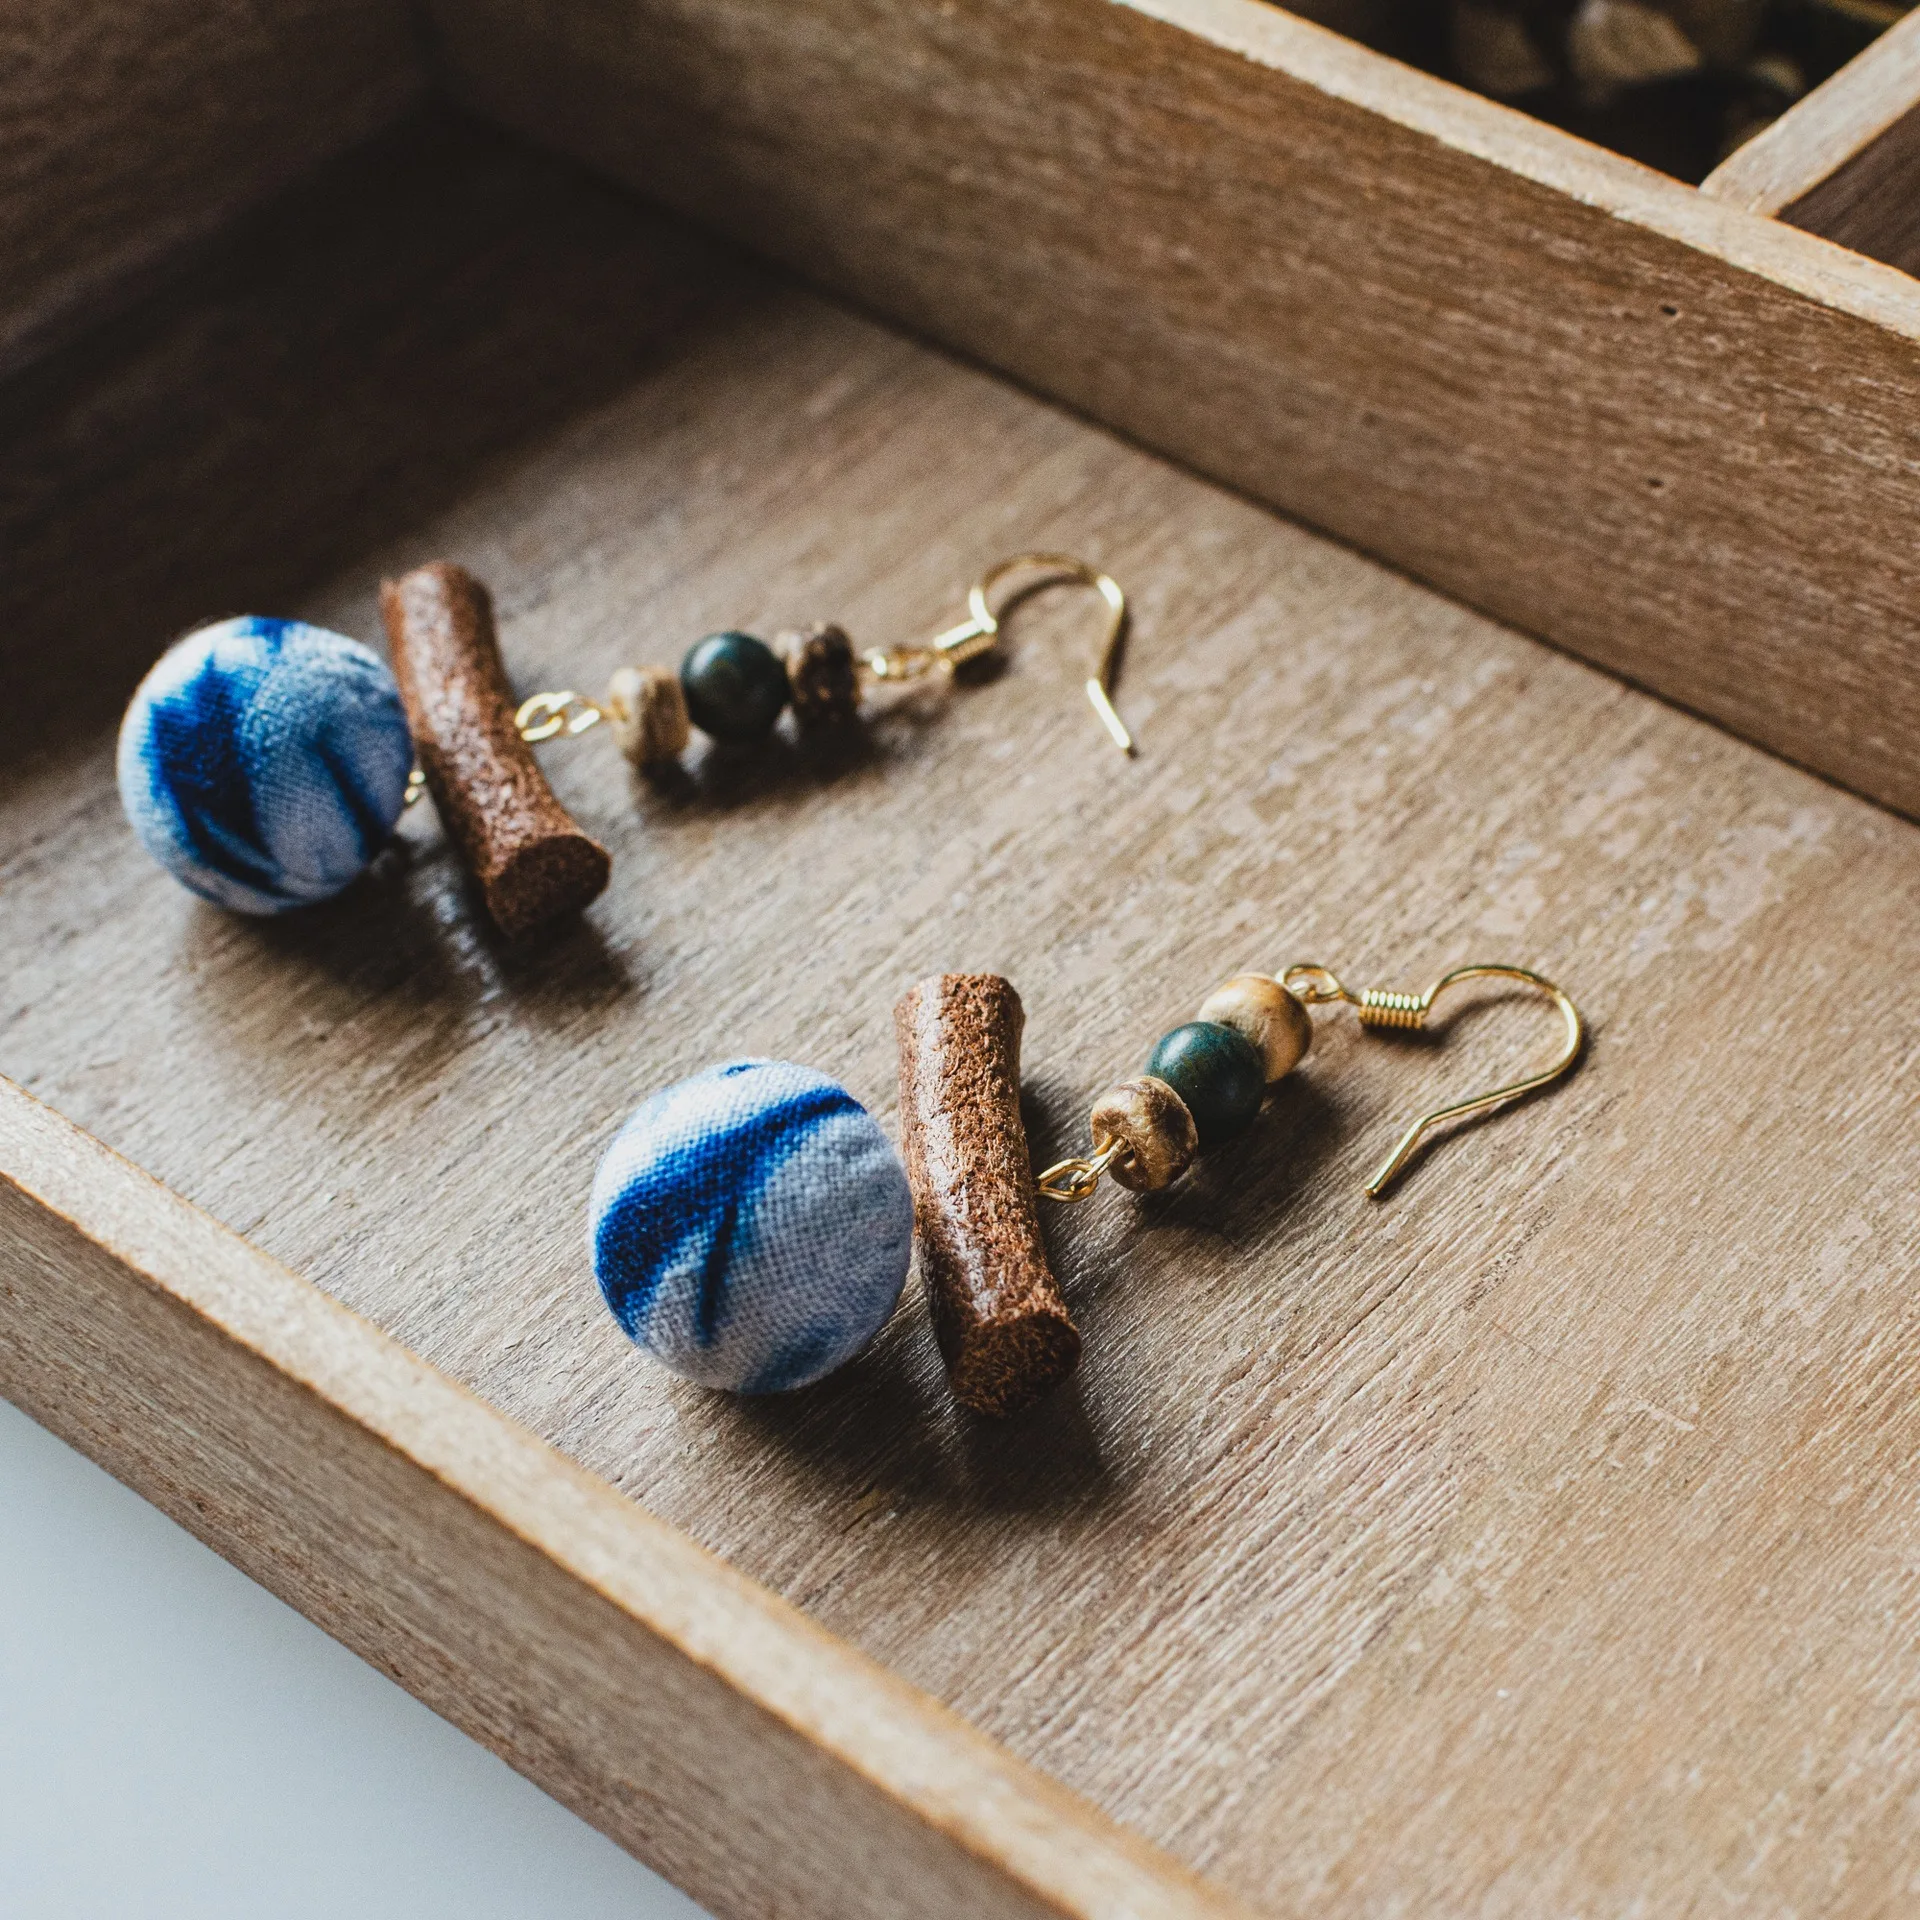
(1845, 161)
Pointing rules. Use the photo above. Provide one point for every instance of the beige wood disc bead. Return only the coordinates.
(1275, 1020)
(648, 712)
(1152, 1122)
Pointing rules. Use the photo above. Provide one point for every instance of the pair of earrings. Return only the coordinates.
(265, 763)
(752, 1228)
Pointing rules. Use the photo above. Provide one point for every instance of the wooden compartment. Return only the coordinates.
(1536, 1540)
(1611, 409)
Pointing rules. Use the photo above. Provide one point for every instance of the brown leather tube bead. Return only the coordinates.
(533, 864)
(1002, 1325)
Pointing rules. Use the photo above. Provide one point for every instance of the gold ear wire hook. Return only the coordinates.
(979, 633)
(1409, 1012)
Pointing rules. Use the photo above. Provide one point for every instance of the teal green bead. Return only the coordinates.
(735, 686)
(1217, 1071)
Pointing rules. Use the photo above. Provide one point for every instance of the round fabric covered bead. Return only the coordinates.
(751, 1227)
(263, 763)
(735, 685)
(1217, 1071)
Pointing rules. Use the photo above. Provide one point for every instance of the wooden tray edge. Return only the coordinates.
(697, 1719)
(1709, 221)
(1827, 129)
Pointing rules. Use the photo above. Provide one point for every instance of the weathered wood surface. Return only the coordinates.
(1540, 1540)
(1662, 432)
(311, 383)
(132, 128)
(1845, 161)
(712, 1730)
(1870, 200)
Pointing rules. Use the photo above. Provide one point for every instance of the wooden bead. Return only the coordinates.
(532, 862)
(1272, 1018)
(823, 677)
(1152, 1122)
(648, 712)
(1003, 1328)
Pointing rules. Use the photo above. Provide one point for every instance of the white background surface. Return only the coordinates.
(175, 1742)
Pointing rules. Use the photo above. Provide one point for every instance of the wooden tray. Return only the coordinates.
(1536, 1541)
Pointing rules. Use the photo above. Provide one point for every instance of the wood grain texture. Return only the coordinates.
(710, 1729)
(1870, 200)
(1539, 1541)
(370, 345)
(1870, 203)
(130, 129)
(1843, 161)
(1665, 434)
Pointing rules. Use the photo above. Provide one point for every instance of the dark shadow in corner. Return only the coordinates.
(718, 778)
(329, 371)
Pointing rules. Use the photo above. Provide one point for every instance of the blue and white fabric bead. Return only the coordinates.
(751, 1227)
(263, 763)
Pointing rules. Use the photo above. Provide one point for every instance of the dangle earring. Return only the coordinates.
(734, 688)
(264, 763)
(1002, 1324)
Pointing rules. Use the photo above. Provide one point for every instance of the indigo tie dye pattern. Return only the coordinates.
(263, 763)
(751, 1227)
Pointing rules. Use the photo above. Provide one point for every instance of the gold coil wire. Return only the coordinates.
(1075, 1180)
(1406, 1011)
